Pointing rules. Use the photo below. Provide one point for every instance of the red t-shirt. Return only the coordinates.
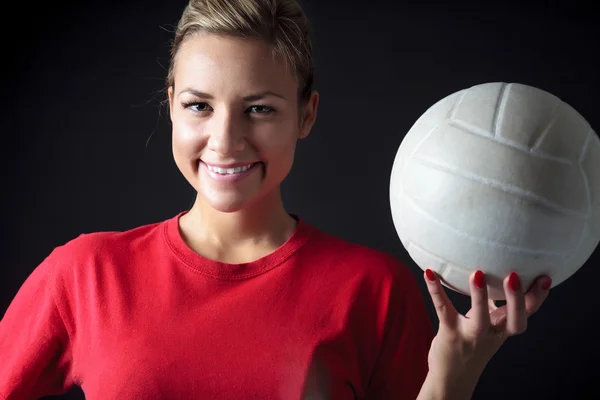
(139, 315)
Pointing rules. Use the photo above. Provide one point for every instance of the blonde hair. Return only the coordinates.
(281, 23)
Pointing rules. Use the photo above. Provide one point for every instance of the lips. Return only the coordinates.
(230, 170)
(228, 173)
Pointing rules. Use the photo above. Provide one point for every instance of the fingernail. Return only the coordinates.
(547, 283)
(514, 282)
(479, 279)
(430, 275)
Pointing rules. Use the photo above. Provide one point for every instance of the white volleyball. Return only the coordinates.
(498, 177)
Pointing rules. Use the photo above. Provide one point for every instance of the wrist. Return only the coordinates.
(448, 386)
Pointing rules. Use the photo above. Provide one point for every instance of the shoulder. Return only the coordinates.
(95, 248)
(384, 292)
(356, 259)
(93, 242)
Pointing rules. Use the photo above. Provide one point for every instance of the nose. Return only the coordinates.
(225, 133)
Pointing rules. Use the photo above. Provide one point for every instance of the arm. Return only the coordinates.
(34, 343)
(401, 367)
(413, 366)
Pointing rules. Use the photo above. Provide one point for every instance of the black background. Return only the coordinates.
(85, 141)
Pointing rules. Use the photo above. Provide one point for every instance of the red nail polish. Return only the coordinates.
(479, 279)
(430, 275)
(547, 283)
(514, 282)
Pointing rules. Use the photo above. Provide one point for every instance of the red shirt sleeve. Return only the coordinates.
(34, 342)
(402, 365)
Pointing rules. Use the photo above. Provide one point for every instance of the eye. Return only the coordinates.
(196, 106)
(261, 109)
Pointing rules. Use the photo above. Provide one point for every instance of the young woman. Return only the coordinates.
(236, 298)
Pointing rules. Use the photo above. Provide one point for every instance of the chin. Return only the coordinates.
(228, 207)
(227, 204)
(234, 202)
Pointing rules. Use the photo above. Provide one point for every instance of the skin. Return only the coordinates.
(239, 222)
(214, 122)
(464, 344)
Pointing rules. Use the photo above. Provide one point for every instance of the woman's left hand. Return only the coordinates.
(464, 344)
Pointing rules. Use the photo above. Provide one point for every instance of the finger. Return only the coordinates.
(492, 305)
(516, 318)
(480, 313)
(444, 308)
(537, 294)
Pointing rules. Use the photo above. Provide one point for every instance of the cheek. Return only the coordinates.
(282, 136)
(280, 146)
(187, 137)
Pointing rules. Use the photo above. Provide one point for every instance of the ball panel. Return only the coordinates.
(565, 136)
(460, 276)
(590, 165)
(524, 114)
(469, 251)
(430, 120)
(556, 184)
(589, 243)
(485, 99)
(425, 259)
(455, 276)
(396, 196)
(479, 209)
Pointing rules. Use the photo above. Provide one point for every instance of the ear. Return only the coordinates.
(170, 95)
(309, 114)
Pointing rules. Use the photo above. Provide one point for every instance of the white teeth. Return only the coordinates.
(229, 171)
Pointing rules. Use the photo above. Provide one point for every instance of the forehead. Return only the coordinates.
(207, 59)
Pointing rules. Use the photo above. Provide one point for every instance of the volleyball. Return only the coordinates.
(499, 177)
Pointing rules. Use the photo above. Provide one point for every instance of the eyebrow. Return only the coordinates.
(252, 97)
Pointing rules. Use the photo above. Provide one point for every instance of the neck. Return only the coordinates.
(264, 223)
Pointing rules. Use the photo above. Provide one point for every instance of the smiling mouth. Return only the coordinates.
(231, 171)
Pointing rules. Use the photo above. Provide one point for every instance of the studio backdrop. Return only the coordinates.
(86, 141)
